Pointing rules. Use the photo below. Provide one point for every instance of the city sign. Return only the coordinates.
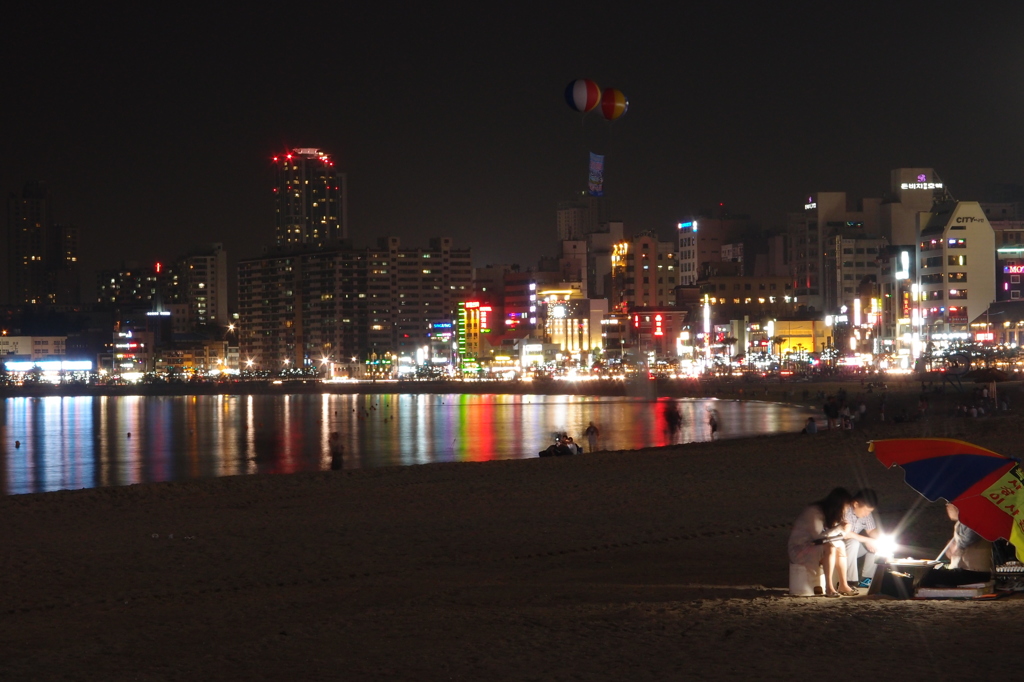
(1013, 269)
(904, 271)
(921, 185)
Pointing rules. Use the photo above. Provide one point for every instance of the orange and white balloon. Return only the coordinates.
(613, 104)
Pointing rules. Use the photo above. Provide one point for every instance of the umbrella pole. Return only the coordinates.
(944, 549)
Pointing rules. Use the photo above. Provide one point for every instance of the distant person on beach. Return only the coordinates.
(563, 445)
(831, 410)
(818, 538)
(337, 451)
(673, 420)
(713, 423)
(864, 531)
(592, 433)
(811, 426)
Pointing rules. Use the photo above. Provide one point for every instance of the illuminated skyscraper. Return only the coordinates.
(310, 199)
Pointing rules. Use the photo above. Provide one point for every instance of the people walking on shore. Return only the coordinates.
(673, 420)
(713, 423)
(592, 434)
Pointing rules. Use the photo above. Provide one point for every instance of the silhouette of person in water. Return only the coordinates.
(673, 420)
(337, 450)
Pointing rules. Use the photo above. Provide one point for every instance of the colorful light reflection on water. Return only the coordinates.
(86, 442)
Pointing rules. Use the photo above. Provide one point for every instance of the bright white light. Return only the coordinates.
(886, 546)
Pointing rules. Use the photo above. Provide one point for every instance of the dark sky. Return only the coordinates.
(155, 128)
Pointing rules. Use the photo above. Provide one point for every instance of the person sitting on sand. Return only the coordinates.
(563, 445)
(967, 549)
(864, 531)
(818, 538)
(811, 426)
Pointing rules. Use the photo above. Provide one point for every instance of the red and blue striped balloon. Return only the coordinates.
(582, 95)
(613, 104)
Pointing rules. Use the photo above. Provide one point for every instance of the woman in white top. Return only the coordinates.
(818, 539)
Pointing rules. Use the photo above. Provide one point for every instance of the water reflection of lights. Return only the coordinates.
(83, 442)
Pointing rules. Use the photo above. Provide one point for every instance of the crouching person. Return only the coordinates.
(863, 537)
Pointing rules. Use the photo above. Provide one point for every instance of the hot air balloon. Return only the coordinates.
(613, 104)
(582, 95)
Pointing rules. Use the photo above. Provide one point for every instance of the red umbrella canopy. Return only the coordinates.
(987, 488)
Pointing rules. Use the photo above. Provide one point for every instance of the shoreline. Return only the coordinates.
(786, 390)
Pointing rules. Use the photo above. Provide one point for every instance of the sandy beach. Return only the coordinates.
(654, 564)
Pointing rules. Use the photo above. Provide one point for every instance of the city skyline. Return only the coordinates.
(158, 133)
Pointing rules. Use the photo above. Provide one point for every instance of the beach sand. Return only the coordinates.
(641, 565)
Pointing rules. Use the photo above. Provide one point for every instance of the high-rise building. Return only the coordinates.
(911, 191)
(651, 273)
(812, 243)
(42, 256)
(600, 246)
(579, 217)
(134, 285)
(310, 199)
(204, 283)
(956, 278)
(305, 306)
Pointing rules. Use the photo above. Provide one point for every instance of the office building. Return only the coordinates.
(956, 278)
(812, 240)
(648, 270)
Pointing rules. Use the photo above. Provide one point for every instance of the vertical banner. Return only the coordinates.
(596, 181)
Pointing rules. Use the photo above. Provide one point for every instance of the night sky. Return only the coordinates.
(155, 128)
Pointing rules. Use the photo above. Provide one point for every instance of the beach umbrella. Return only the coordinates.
(987, 488)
